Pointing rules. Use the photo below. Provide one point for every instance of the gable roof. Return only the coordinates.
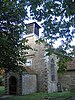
(29, 70)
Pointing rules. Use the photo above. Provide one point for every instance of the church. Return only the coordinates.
(40, 73)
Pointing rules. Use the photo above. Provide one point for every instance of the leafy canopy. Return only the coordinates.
(57, 17)
(58, 21)
(12, 44)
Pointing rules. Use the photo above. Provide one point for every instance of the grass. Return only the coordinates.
(37, 96)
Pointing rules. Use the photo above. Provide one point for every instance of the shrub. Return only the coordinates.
(1, 80)
(72, 88)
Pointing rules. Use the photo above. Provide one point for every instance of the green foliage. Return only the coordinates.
(1, 80)
(2, 90)
(63, 63)
(12, 44)
(72, 89)
(57, 17)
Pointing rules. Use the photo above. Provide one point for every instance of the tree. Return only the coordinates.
(12, 45)
(57, 16)
(58, 21)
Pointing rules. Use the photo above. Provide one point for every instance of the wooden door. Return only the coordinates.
(12, 85)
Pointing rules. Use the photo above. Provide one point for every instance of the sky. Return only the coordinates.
(57, 43)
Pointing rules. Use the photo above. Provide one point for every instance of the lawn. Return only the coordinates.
(39, 96)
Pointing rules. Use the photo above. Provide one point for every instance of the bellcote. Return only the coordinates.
(33, 28)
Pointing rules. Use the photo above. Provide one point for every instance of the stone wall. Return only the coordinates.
(29, 84)
(38, 62)
(67, 80)
(41, 66)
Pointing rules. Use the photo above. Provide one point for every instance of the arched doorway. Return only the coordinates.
(12, 85)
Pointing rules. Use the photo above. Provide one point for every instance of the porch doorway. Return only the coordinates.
(12, 85)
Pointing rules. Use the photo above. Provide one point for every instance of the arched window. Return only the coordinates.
(52, 70)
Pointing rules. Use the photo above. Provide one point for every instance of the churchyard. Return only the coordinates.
(66, 95)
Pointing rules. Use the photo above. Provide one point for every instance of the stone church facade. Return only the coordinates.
(40, 70)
